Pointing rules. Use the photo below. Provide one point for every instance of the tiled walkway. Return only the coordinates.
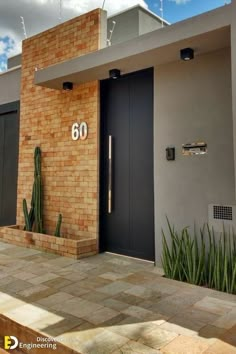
(111, 304)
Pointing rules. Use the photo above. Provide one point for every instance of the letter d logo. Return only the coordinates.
(8, 342)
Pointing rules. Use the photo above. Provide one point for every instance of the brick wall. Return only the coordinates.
(69, 168)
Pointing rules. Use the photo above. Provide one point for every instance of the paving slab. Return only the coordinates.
(113, 304)
(186, 345)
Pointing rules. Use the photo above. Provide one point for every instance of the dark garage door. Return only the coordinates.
(9, 140)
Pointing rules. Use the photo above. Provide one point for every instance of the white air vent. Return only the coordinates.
(219, 215)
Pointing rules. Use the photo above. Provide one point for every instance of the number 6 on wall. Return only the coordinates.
(79, 131)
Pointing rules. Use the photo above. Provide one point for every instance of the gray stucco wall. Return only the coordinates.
(127, 26)
(147, 22)
(192, 103)
(233, 63)
(132, 23)
(10, 86)
(14, 61)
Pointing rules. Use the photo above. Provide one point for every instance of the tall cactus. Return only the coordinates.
(34, 219)
(26, 215)
(35, 216)
(37, 191)
(58, 226)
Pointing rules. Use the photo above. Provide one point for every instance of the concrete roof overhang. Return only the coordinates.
(204, 33)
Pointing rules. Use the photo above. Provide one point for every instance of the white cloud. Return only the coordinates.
(180, 2)
(3, 47)
(43, 14)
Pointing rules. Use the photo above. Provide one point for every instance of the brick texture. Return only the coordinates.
(69, 168)
(82, 247)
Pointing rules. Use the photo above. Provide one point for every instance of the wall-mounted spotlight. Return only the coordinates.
(187, 54)
(67, 86)
(114, 73)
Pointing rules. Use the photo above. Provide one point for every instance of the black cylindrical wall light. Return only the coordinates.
(67, 86)
(187, 54)
(114, 73)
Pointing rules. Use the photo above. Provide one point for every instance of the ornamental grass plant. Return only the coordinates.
(207, 260)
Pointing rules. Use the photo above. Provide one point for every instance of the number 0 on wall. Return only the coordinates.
(79, 131)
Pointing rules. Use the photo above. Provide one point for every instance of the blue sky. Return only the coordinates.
(177, 10)
(42, 14)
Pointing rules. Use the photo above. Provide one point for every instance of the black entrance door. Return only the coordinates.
(9, 139)
(126, 177)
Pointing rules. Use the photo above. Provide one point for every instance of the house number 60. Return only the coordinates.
(79, 131)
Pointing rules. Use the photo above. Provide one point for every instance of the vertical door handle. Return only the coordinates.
(109, 174)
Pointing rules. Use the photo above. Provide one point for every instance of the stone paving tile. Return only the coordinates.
(28, 314)
(185, 345)
(183, 326)
(43, 278)
(4, 246)
(36, 292)
(105, 342)
(166, 308)
(114, 276)
(166, 289)
(114, 321)
(220, 347)
(56, 298)
(114, 304)
(223, 296)
(20, 252)
(139, 312)
(140, 278)
(192, 314)
(166, 311)
(75, 289)
(210, 333)
(114, 288)
(101, 315)
(3, 274)
(61, 262)
(81, 266)
(217, 306)
(227, 321)
(8, 302)
(93, 283)
(140, 291)
(56, 324)
(185, 298)
(37, 269)
(119, 261)
(15, 286)
(58, 283)
(133, 328)
(24, 275)
(100, 270)
(229, 336)
(95, 296)
(42, 257)
(71, 275)
(133, 347)
(128, 299)
(99, 259)
(77, 307)
(80, 335)
(157, 338)
(6, 280)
